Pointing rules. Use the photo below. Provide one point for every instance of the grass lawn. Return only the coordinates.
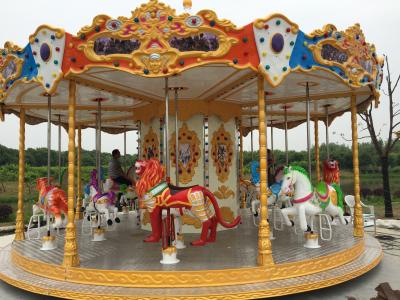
(373, 182)
(10, 197)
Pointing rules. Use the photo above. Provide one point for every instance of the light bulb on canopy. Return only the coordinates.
(187, 5)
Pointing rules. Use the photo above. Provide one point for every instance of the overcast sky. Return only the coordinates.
(379, 20)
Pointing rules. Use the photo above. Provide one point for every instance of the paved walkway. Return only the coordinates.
(362, 288)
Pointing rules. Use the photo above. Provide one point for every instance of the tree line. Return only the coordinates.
(369, 160)
(38, 157)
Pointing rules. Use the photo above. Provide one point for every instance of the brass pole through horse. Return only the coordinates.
(176, 138)
(251, 139)
(308, 129)
(316, 149)
(48, 138)
(286, 138)
(78, 212)
(98, 145)
(125, 167)
(327, 131)
(272, 146)
(166, 131)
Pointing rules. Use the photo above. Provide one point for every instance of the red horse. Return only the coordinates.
(52, 200)
(156, 194)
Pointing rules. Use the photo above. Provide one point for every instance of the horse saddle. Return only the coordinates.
(176, 189)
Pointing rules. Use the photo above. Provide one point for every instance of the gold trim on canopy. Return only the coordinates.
(152, 25)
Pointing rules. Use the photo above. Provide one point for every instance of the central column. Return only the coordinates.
(71, 258)
(264, 257)
(358, 217)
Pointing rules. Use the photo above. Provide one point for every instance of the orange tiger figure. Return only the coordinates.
(156, 194)
(331, 171)
(52, 200)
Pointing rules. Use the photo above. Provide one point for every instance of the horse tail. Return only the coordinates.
(339, 194)
(60, 199)
(214, 202)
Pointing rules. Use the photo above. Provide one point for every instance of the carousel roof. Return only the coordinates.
(213, 63)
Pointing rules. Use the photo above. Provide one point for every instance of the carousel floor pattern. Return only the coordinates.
(124, 250)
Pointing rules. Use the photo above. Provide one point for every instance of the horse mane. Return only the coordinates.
(93, 179)
(42, 182)
(298, 169)
(331, 175)
(153, 174)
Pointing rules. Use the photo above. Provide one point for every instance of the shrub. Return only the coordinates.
(366, 192)
(397, 194)
(5, 211)
(378, 192)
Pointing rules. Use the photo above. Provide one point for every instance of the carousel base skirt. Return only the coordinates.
(123, 267)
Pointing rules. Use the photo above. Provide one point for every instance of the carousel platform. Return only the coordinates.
(123, 267)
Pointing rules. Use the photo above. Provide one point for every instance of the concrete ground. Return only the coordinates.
(361, 288)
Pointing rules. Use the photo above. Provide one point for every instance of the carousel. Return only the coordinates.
(190, 225)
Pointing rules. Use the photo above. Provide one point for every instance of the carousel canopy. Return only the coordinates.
(213, 64)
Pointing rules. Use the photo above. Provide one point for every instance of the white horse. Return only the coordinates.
(129, 198)
(306, 201)
(272, 200)
(276, 198)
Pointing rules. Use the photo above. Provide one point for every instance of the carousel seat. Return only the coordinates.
(176, 189)
(368, 216)
(111, 185)
(35, 219)
(115, 187)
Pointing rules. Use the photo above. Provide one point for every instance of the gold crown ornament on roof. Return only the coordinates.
(187, 4)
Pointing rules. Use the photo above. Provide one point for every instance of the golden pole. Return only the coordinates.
(20, 226)
(71, 258)
(243, 198)
(78, 212)
(241, 150)
(316, 149)
(358, 217)
(264, 257)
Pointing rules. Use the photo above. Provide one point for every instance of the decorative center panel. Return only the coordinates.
(222, 152)
(150, 145)
(188, 153)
